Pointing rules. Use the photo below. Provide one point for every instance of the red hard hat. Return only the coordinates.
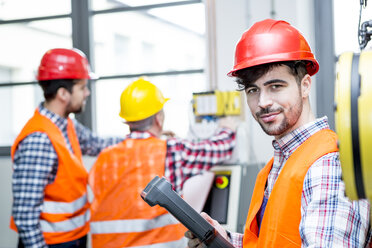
(61, 63)
(270, 41)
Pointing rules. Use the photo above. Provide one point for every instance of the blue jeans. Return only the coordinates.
(78, 243)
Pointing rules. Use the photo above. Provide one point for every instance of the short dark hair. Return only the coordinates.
(251, 74)
(50, 87)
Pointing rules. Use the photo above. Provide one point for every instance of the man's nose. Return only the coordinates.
(87, 92)
(264, 100)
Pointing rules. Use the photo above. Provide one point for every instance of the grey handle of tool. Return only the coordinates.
(159, 192)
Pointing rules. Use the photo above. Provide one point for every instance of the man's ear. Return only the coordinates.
(63, 94)
(159, 119)
(306, 86)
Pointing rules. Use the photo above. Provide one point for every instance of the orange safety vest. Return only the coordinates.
(281, 220)
(65, 210)
(120, 217)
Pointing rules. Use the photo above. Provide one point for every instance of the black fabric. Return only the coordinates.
(78, 243)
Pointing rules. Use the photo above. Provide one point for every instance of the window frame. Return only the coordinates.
(82, 38)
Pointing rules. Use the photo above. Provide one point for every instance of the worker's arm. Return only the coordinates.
(328, 217)
(202, 155)
(186, 158)
(90, 143)
(168, 134)
(35, 165)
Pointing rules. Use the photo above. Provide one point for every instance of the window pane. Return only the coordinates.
(152, 41)
(21, 9)
(177, 110)
(345, 19)
(106, 4)
(17, 106)
(25, 44)
(180, 15)
(21, 53)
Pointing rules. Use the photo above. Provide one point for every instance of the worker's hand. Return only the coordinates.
(195, 242)
(168, 134)
(229, 122)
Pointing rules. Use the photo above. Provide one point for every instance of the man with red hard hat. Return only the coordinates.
(299, 197)
(50, 207)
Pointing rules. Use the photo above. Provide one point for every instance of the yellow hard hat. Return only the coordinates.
(140, 100)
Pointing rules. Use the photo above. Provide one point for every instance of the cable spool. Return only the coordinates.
(353, 116)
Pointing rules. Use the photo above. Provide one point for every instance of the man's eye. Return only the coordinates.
(276, 86)
(251, 90)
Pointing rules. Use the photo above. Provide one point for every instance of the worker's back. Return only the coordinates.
(119, 217)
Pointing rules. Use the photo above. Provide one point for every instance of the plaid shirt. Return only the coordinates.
(185, 159)
(328, 218)
(35, 166)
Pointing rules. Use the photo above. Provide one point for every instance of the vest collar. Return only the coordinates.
(290, 142)
(59, 121)
(140, 135)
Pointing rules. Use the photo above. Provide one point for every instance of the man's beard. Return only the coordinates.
(75, 110)
(79, 110)
(287, 122)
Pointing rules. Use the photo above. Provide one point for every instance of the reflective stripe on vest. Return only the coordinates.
(133, 225)
(66, 225)
(52, 207)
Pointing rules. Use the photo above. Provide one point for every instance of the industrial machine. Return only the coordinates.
(232, 184)
(207, 107)
(230, 195)
(217, 103)
(353, 115)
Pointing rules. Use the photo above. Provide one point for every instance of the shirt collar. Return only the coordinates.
(291, 141)
(60, 122)
(140, 135)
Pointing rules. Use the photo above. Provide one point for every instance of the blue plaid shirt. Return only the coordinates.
(328, 218)
(35, 166)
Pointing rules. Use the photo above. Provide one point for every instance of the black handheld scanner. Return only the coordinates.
(159, 192)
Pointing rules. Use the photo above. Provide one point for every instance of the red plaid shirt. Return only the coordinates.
(185, 158)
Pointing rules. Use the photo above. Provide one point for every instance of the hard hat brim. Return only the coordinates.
(93, 76)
